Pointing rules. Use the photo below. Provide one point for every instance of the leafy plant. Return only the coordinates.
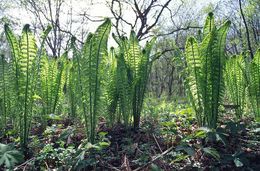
(6, 92)
(236, 83)
(52, 82)
(9, 157)
(254, 84)
(130, 77)
(212, 152)
(205, 67)
(90, 71)
(24, 59)
(24, 62)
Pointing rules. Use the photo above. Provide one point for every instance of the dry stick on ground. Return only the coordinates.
(155, 158)
(109, 166)
(24, 164)
(158, 145)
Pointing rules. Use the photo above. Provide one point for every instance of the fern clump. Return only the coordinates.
(205, 70)
(24, 59)
(254, 84)
(89, 71)
(236, 83)
(130, 68)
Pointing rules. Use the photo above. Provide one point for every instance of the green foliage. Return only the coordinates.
(205, 67)
(64, 156)
(254, 84)
(119, 93)
(92, 79)
(52, 82)
(130, 70)
(90, 73)
(242, 82)
(9, 157)
(24, 65)
(236, 83)
(24, 56)
(212, 152)
(6, 92)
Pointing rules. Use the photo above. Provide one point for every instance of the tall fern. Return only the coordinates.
(236, 83)
(6, 92)
(254, 84)
(71, 82)
(205, 67)
(90, 69)
(119, 92)
(128, 87)
(52, 83)
(15, 51)
(26, 60)
(24, 65)
(194, 79)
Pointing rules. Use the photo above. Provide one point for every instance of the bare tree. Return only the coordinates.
(146, 15)
(61, 16)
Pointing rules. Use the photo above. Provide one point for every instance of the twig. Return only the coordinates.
(109, 166)
(158, 145)
(46, 165)
(250, 141)
(25, 163)
(154, 159)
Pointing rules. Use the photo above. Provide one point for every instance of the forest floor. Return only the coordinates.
(173, 142)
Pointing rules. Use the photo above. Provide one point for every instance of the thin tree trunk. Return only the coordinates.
(247, 31)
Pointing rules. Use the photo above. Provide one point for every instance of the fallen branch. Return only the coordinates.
(155, 158)
(24, 164)
(109, 166)
(158, 145)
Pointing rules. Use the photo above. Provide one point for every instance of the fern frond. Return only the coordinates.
(26, 61)
(254, 85)
(235, 82)
(95, 49)
(209, 24)
(194, 67)
(133, 54)
(217, 65)
(205, 64)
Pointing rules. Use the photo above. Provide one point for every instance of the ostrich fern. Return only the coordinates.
(236, 83)
(24, 63)
(6, 92)
(254, 84)
(130, 75)
(52, 82)
(90, 75)
(205, 67)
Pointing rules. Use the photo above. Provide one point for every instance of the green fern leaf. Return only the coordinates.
(209, 25)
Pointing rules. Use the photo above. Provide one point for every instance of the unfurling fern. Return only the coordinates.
(71, 81)
(206, 64)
